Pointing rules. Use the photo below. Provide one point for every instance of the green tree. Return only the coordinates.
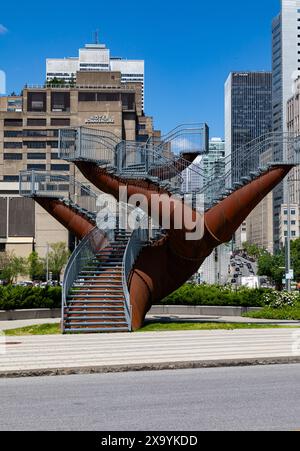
(11, 267)
(57, 258)
(272, 266)
(36, 267)
(295, 257)
(56, 82)
(253, 250)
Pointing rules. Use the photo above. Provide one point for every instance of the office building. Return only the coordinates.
(285, 67)
(29, 141)
(95, 57)
(259, 224)
(293, 128)
(294, 223)
(213, 165)
(248, 115)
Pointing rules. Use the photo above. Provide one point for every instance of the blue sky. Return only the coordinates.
(189, 47)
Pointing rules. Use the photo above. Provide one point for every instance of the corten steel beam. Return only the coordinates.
(70, 219)
(165, 172)
(170, 262)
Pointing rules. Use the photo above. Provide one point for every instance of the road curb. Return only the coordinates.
(151, 367)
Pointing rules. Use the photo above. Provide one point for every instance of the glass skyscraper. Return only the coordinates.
(248, 115)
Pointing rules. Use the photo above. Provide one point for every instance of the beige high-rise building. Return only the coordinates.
(29, 130)
(293, 126)
(259, 225)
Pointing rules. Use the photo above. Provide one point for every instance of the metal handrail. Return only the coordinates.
(91, 244)
(135, 244)
(123, 87)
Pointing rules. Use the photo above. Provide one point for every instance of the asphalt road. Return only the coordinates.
(251, 398)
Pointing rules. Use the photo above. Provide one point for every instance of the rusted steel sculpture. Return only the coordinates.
(170, 262)
(75, 222)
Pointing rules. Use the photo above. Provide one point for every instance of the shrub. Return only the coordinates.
(13, 298)
(221, 296)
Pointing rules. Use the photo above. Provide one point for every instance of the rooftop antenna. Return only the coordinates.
(97, 37)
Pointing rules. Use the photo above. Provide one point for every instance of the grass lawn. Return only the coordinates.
(54, 329)
(285, 313)
(161, 327)
(41, 329)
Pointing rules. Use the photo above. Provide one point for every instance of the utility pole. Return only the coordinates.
(288, 243)
(47, 263)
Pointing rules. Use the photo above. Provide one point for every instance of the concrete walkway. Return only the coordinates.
(17, 324)
(57, 354)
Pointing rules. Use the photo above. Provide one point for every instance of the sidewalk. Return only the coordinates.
(57, 354)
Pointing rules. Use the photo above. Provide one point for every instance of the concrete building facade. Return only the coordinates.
(285, 69)
(95, 58)
(29, 141)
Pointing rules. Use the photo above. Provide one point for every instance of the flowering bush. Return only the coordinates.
(280, 299)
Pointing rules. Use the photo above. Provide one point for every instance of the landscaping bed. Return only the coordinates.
(19, 298)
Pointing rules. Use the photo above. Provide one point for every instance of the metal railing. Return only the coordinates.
(185, 138)
(75, 85)
(87, 249)
(135, 244)
(57, 185)
(251, 160)
(88, 144)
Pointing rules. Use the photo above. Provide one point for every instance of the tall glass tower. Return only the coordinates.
(248, 115)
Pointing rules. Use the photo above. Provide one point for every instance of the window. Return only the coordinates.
(34, 122)
(53, 133)
(60, 167)
(285, 212)
(39, 167)
(35, 144)
(53, 144)
(285, 222)
(13, 122)
(35, 133)
(128, 101)
(12, 156)
(12, 145)
(99, 97)
(293, 233)
(87, 97)
(36, 101)
(13, 133)
(60, 121)
(11, 178)
(293, 222)
(36, 156)
(54, 156)
(293, 212)
(60, 101)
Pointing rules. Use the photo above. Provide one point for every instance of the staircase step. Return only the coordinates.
(89, 330)
(107, 308)
(95, 314)
(97, 323)
(83, 319)
(96, 302)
